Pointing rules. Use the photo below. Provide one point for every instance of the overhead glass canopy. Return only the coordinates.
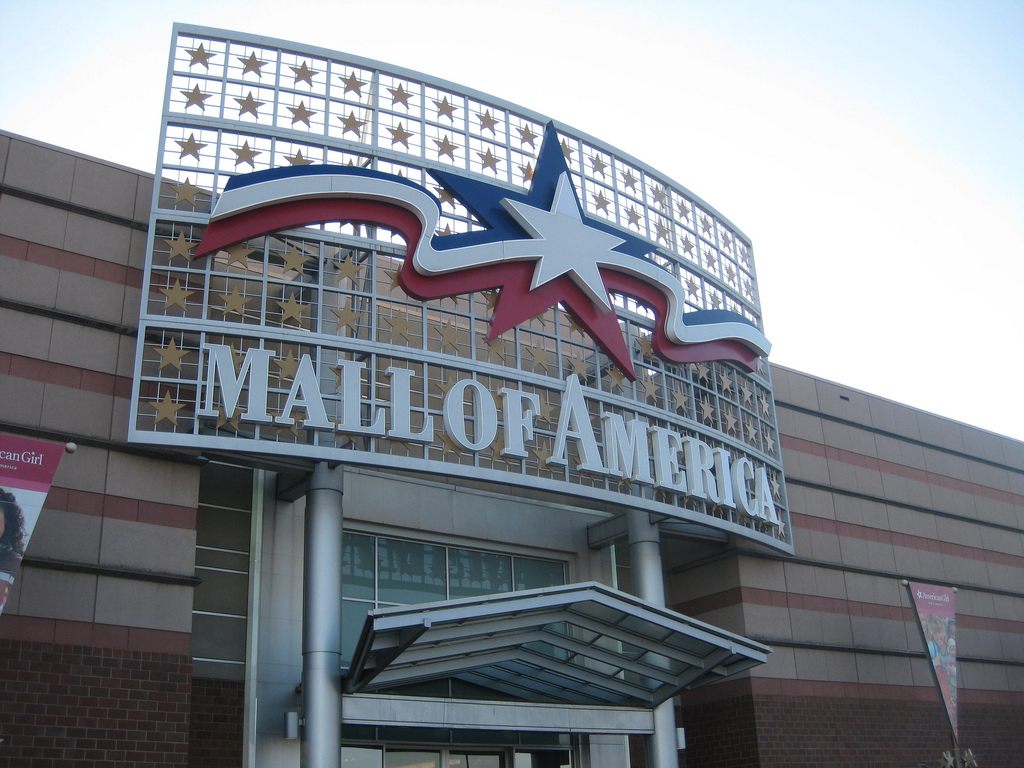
(576, 644)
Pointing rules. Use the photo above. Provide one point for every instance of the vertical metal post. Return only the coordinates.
(321, 620)
(649, 584)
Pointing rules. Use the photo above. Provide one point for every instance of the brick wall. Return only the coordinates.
(744, 731)
(215, 733)
(72, 705)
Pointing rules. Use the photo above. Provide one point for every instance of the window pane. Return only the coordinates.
(410, 572)
(402, 759)
(360, 757)
(478, 573)
(357, 566)
(532, 574)
(353, 616)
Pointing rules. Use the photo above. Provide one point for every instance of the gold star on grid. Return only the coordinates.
(353, 83)
(185, 191)
(542, 453)
(295, 259)
(747, 393)
(765, 406)
(445, 108)
(496, 346)
(346, 317)
(600, 201)
(400, 96)
(234, 303)
(662, 230)
(725, 382)
(646, 348)
(200, 56)
(679, 399)
(547, 412)
(179, 246)
(543, 358)
(751, 432)
(400, 136)
(445, 147)
(288, 366)
(171, 355)
(245, 154)
(392, 275)
(624, 482)
(223, 419)
(167, 410)
(716, 301)
(446, 231)
(660, 195)
(189, 147)
(238, 254)
(237, 356)
(707, 411)
(298, 159)
(176, 295)
(444, 196)
(291, 310)
(526, 136)
(566, 150)
(629, 180)
(702, 372)
(526, 171)
(487, 122)
(692, 287)
(301, 114)
(650, 388)
(249, 105)
(705, 224)
(773, 481)
(348, 270)
(449, 335)
(769, 444)
(488, 160)
(252, 64)
(304, 74)
(579, 366)
(403, 326)
(449, 445)
(633, 215)
(352, 124)
(491, 297)
(597, 165)
(730, 273)
(687, 244)
(616, 376)
(195, 98)
(730, 420)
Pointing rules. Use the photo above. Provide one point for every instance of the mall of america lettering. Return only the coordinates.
(652, 455)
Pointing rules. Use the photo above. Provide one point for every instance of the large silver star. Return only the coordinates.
(563, 243)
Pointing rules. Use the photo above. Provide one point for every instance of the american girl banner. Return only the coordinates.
(936, 613)
(27, 468)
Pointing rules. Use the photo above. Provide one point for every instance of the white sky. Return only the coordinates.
(873, 150)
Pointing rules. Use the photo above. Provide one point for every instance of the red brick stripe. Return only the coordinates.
(757, 596)
(61, 632)
(772, 686)
(892, 468)
(69, 261)
(65, 375)
(906, 540)
(120, 508)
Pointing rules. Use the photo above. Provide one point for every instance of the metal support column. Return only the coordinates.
(321, 620)
(649, 585)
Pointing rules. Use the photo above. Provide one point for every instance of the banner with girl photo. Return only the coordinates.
(27, 468)
(936, 614)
